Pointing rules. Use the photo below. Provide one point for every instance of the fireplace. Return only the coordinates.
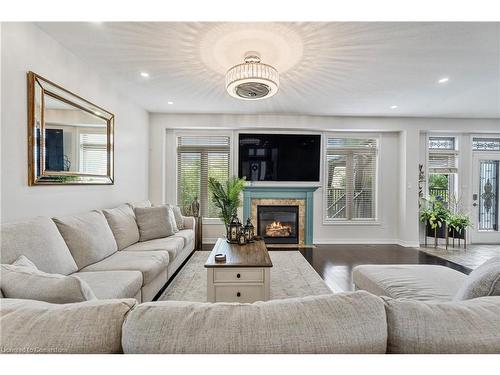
(278, 224)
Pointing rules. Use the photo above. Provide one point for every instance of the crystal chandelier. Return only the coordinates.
(252, 80)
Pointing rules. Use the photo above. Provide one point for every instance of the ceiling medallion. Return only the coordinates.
(252, 80)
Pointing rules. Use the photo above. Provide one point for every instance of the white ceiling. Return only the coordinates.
(353, 68)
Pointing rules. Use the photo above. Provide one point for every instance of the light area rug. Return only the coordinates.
(291, 276)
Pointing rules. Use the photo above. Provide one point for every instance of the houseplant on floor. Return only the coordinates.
(457, 225)
(226, 196)
(458, 221)
(434, 215)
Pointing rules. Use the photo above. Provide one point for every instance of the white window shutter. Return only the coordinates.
(198, 158)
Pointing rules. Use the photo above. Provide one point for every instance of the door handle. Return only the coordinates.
(474, 204)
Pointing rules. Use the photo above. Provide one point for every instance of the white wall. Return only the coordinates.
(398, 164)
(25, 47)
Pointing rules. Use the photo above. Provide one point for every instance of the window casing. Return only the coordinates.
(198, 158)
(442, 166)
(351, 179)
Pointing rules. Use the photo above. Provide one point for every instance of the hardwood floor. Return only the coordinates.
(334, 263)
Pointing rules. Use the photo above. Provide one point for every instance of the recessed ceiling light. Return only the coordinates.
(170, 103)
(144, 74)
(394, 106)
(443, 80)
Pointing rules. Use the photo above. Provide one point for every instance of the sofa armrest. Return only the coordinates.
(189, 222)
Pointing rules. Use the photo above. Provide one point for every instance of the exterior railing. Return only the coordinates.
(443, 193)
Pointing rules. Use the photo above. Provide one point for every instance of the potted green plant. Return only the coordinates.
(226, 196)
(457, 225)
(434, 215)
(458, 221)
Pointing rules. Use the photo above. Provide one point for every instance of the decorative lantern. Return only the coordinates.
(233, 229)
(249, 231)
(242, 237)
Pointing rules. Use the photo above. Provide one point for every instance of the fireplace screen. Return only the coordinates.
(278, 224)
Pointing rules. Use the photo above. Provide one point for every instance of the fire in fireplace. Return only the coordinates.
(278, 224)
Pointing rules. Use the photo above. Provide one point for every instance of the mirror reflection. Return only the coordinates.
(75, 140)
(70, 139)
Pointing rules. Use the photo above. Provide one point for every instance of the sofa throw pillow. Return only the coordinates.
(88, 236)
(122, 222)
(179, 220)
(140, 204)
(171, 217)
(153, 222)
(22, 261)
(482, 282)
(23, 280)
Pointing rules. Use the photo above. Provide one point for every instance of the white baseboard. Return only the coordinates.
(408, 243)
(357, 241)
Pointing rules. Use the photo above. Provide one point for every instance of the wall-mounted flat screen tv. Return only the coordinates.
(279, 157)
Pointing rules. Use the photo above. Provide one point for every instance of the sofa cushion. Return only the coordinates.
(172, 244)
(153, 222)
(40, 327)
(39, 240)
(23, 280)
(112, 284)
(149, 263)
(122, 222)
(140, 204)
(483, 281)
(414, 281)
(179, 220)
(189, 222)
(471, 326)
(88, 236)
(341, 323)
(186, 234)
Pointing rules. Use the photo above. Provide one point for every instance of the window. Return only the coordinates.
(93, 153)
(486, 144)
(442, 167)
(198, 158)
(350, 192)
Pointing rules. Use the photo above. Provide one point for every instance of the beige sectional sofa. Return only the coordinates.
(432, 310)
(101, 248)
(356, 322)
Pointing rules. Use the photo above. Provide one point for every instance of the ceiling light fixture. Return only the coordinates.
(170, 103)
(394, 106)
(144, 74)
(443, 80)
(252, 80)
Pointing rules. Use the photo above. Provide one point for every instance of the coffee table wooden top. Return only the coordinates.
(250, 255)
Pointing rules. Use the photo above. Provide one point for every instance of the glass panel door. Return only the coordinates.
(488, 195)
(485, 198)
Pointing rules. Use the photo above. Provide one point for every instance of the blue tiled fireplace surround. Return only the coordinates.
(272, 192)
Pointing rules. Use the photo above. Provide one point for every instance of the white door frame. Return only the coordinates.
(477, 236)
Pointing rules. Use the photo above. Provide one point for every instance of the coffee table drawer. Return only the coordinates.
(239, 293)
(240, 275)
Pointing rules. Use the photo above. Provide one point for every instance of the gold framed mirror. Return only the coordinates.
(70, 140)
